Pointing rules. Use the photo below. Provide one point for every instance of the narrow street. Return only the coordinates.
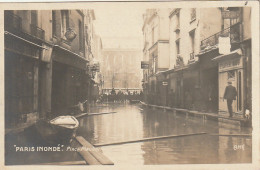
(129, 84)
(137, 122)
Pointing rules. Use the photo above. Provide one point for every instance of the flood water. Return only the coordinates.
(137, 122)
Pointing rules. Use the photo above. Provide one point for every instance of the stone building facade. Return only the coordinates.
(198, 69)
(121, 69)
(46, 63)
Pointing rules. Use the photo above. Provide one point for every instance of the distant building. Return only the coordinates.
(121, 69)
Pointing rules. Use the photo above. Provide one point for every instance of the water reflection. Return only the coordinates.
(130, 122)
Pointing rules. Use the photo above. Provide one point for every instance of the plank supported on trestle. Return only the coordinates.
(148, 139)
(95, 152)
(91, 114)
(233, 135)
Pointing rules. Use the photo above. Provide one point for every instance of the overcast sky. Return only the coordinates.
(117, 22)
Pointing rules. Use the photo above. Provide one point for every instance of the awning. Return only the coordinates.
(27, 41)
(72, 53)
(65, 56)
(231, 55)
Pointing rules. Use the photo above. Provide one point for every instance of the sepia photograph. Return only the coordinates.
(131, 83)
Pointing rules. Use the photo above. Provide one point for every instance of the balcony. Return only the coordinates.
(12, 23)
(233, 32)
(37, 32)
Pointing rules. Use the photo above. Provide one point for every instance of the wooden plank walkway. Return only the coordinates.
(233, 135)
(195, 113)
(90, 154)
(148, 139)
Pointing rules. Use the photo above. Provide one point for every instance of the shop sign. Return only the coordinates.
(229, 64)
(224, 45)
(144, 64)
(164, 83)
(230, 14)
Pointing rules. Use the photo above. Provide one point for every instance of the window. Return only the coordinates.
(65, 20)
(34, 17)
(177, 47)
(192, 39)
(178, 20)
(154, 65)
(80, 36)
(34, 28)
(54, 30)
(152, 35)
(193, 14)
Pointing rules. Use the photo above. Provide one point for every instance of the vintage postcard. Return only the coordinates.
(147, 85)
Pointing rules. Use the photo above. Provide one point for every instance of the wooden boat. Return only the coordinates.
(59, 130)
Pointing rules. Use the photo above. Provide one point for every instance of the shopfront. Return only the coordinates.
(21, 80)
(162, 88)
(230, 68)
(190, 86)
(69, 80)
(208, 89)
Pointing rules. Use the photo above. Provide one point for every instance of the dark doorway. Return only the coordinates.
(58, 104)
(210, 89)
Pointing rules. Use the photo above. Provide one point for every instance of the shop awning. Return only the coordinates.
(160, 72)
(65, 56)
(231, 55)
(27, 41)
(72, 53)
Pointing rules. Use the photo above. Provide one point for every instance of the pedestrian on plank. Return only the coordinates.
(230, 95)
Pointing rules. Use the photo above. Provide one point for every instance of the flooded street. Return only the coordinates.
(132, 122)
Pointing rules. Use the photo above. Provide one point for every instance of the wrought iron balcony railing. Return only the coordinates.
(12, 22)
(233, 32)
(37, 32)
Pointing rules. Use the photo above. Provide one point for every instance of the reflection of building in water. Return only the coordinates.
(121, 68)
(108, 129)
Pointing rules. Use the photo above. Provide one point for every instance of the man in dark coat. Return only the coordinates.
(230, 95)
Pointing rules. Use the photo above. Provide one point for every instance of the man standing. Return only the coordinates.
(230, 95)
